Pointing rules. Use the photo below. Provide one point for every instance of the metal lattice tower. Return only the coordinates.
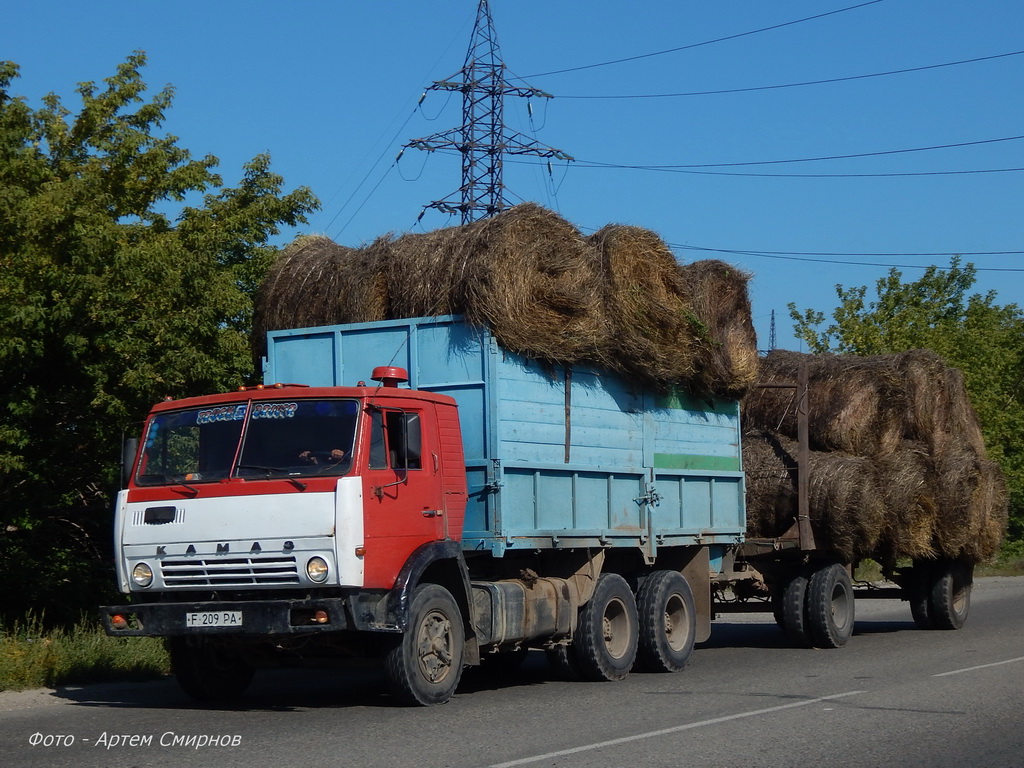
(482, 139)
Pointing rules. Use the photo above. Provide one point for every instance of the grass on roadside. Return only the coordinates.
(34, 657)
(1009, 562)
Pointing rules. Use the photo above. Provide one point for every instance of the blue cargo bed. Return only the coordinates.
(555, 458)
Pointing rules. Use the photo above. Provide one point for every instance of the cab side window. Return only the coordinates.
(378, 444)
(396, 440)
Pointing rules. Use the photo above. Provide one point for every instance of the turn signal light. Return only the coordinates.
(321, 617)
(118, 621)
(360, 551)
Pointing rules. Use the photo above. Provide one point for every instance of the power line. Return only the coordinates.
(860, 253)
(797, 85)
(586, 164)
(706, 42)
(816, 159)
(779, 255)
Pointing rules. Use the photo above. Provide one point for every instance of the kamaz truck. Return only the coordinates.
(410, 493)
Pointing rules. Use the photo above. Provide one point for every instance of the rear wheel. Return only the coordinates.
(208, 670)
(918, 591)
(949, 599)
(425, 666)
(605, 643)
(830, 606)
(668, 622)
(793, 611)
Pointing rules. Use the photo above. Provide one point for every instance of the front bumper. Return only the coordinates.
(359, 612)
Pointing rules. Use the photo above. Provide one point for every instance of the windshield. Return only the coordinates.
(277, 439)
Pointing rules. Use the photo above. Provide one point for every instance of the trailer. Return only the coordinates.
(469, 505)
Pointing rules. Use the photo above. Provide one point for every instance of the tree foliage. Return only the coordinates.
(126, 274)
(983, 339)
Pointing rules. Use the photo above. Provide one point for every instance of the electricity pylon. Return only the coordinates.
(482, 139)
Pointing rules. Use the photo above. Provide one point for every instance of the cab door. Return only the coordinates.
(402, 490)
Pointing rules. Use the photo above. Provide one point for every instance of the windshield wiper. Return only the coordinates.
(269, 472)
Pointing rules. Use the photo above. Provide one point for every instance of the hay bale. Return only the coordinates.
(726, 360)
(989, 505)
(939, 410)
(770, 473)
(855, 404)
(847, 510)
(528, 275)
(315, 281)
(681, 325)
(651, 333)
(908, 482)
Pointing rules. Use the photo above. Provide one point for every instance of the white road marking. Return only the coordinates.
(980, 666)
(675, 729)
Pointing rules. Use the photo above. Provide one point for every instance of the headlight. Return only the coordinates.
(142, 575)
(316, 569)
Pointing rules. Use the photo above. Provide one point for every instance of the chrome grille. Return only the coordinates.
(229, 571)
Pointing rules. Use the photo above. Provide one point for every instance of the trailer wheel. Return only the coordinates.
(668, 622)
(830, 606)
(208, 671)
(949, 600)
(605, 643)
(918, 591)
(793, 610)
(425, 666)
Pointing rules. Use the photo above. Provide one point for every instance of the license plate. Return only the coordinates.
(214, 619)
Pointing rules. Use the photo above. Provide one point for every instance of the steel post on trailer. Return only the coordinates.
(804, 532)
(803, 461)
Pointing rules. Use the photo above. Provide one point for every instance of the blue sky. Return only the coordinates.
(330, 90)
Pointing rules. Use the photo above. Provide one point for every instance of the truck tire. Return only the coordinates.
(605, 643)
(425, 666)
(918, 590)
(949, 600)
(830, 606)
(793, 598)
(208, 671)
(668, 622)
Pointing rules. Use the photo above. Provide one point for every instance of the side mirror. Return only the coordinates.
(128, 451)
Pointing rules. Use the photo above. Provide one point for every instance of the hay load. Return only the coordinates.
(847, 509)
(718, 304)
(315, 281)
(617, 300)
(855, 404)
(927, 488)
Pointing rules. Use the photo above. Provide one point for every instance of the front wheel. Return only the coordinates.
(207, 670)
(605, 642)
(425, 666)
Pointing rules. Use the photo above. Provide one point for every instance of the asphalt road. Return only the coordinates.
(896, 696)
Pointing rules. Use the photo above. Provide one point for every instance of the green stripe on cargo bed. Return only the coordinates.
(679, 401)
(692, 461)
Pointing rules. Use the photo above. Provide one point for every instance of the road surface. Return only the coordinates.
(895, 696)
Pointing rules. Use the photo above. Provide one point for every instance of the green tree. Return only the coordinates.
(983, 339)
(127, 271)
